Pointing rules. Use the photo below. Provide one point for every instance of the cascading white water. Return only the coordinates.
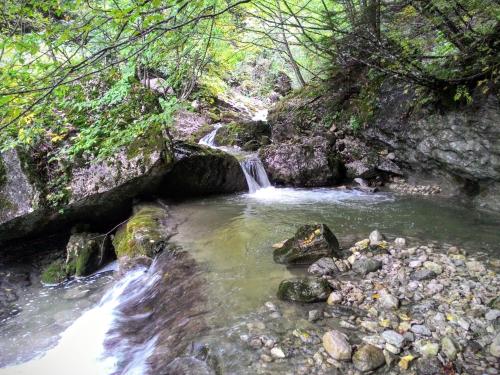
(81, 349)
(255, 174)
(209, 139)
(252, 167)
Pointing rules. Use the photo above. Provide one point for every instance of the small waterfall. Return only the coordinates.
(209, 139)
(252, 167)
(255, 174)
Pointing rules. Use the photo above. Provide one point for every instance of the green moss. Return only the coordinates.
(54, 273)
(3, 172)
(143, 234)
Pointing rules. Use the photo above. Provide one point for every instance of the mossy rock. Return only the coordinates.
(55, 273)
(86, 253)
(242, 133)
(310, 243)
(144, 234)
(306, 290)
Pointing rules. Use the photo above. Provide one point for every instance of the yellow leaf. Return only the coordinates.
(375, 295)
(404, 363)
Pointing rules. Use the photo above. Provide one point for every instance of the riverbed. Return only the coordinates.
(231, 238)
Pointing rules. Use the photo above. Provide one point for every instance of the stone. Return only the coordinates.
(391, 348)
(475, 267)
(314, 315)
(493, 314)
(304, 290)
(449, 348)
(393, 338)
(425, 274)
(427, 349)
(54, 273)
(376, 238)
(387, 300)
(334, 298)
(86, 253)
(434, 267)
(310, 243)
(420, 330)
(145, 233)
(337, 346)
(495, 346)
(323, 266)
(365, 265)
(307, 162)
(363, 244)
(368, 358)
(400, 242)
(428, 366)
(188, 366)
(277, 352)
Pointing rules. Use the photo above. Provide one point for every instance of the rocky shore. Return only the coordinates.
(386, 307)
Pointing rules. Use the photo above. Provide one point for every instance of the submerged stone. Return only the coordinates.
(368, 358)
(337, 346)
(310, 243)
(304, 290)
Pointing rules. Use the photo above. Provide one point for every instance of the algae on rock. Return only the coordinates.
(144, 234)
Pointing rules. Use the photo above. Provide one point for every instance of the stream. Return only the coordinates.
(68, 329)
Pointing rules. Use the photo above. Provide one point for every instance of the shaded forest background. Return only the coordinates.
(76, 76)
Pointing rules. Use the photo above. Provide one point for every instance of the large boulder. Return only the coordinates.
(310, 243)
(308, 163)
(101, 192)
(145, 234)
(304, 290)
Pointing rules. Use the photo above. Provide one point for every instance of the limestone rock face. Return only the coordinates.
(100, 191)
(308, 163)
(310, 243)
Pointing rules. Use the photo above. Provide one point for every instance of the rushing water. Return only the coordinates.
(143, 321)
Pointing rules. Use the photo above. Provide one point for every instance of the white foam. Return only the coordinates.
(80, 350)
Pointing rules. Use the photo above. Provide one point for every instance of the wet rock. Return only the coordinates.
(324, 266)
(277, 353)
(314, 315)
(400, 242)
(144, 234)
(393, 338)
(188, 366)
(376, 238)
(304, 290)
(87, 252)
(492, 314)
(310, 243)
(423, 275)
(368, 358)
(434, 267)
(365, 265)
(245, 134)
(427, 349)
(420, 330)
(337, 346)
(306, 163)
(334, 298)
(387, 300)
(428, 366)
(495, 346)
(449, 348)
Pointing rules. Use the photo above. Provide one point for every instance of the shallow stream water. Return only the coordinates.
(231, 239)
